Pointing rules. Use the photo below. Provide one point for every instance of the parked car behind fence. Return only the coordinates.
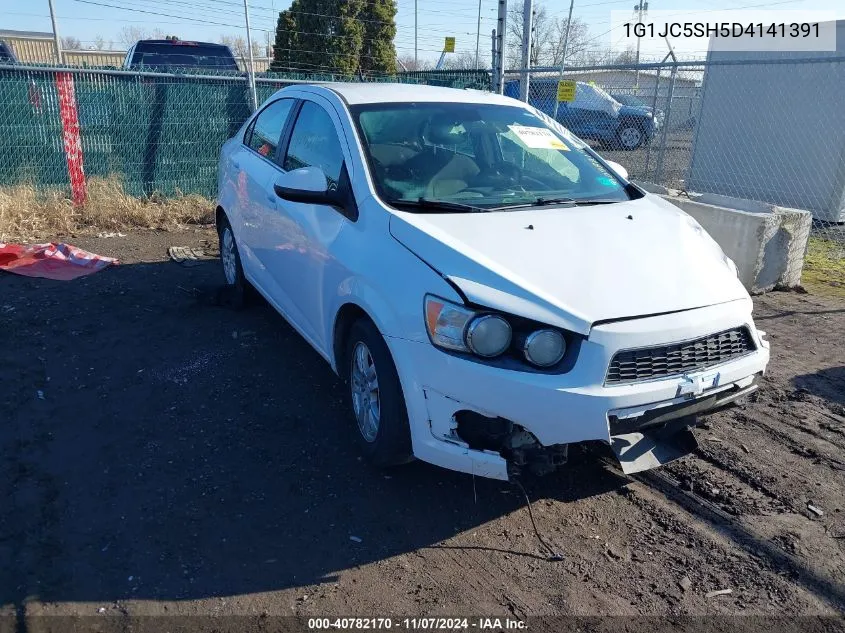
(593, 115)
(177, 54)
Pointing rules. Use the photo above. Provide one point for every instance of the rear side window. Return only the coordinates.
(182, 55)
(314, 143)
(264, 133)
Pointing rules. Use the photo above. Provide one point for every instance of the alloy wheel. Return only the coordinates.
(365, 392)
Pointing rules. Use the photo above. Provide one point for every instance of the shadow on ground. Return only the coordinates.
(827, 383)
(157, 448)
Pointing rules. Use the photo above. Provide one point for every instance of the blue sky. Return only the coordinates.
(209, 19)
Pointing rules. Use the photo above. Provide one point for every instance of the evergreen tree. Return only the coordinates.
(287, 41)
(336, 36)
(380, 29)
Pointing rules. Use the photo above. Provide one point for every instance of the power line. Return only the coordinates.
(166, 15)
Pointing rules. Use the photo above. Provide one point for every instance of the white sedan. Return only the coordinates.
(489, 287)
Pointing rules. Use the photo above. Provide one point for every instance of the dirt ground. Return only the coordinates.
(161, 455)
(642, 163)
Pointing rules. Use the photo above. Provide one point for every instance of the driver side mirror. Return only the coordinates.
(618, 169)
(309, 185)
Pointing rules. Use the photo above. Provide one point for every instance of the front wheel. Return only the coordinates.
(376, 398)
(630, 135)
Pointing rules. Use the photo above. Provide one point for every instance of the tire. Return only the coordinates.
(230, 258)
(382, 431)
(630, 136)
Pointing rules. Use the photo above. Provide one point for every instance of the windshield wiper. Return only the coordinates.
(541, 202)
(428, 203)
(538, 202)
(583, 203)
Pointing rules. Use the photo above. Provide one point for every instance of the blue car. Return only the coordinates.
(593, 115)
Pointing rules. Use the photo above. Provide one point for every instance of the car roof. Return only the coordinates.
(182, 43)
(377, 92)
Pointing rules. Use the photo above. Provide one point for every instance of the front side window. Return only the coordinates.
(314, 143)
(483, 155)
(264, 134)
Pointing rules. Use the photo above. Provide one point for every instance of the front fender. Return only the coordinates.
(391, 294)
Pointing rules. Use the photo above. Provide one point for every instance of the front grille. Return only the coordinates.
(679, 358)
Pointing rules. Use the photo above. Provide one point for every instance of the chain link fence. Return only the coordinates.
(159, 133)
(767, 129)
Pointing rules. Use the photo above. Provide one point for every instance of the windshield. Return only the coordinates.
(486, 156)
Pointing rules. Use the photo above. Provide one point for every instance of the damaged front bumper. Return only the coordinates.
(493, 422)
(647, 437)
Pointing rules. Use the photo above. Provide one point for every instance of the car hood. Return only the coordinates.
(627, 110)
(572, 267)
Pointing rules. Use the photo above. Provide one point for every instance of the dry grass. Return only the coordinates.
(824, 268)
(27, 212)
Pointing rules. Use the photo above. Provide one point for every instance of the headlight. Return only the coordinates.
(544, 348)
(491, 335)
(488, 335)
(458, 328)
(446, 323)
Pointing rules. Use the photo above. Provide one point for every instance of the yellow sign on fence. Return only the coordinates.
(449, 46)
(566, 91)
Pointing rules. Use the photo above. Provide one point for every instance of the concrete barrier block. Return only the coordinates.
(766, 242)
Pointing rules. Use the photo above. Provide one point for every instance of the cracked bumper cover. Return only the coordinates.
(573, 407)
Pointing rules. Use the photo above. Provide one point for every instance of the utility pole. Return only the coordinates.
(478, 35)
(251, 72)
(565, 47)
(527, 20)
(416, 59)
(56, 33)
(639, 8)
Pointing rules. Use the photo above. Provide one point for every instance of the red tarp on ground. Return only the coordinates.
(51, 261)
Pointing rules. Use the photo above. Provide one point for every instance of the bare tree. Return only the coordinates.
(237, 45)
(131, 34)
(459, 61)
(628, 56)
(548, 35)
(408, 62)
(100, 43)
(70, 43)
(578, 41)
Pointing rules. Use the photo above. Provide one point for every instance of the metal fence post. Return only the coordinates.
(653, 114)
(525, 77)
(501, 40)
(494, 78)
(658, 172)
(59, 58)
(563, 57)
(251, 74)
